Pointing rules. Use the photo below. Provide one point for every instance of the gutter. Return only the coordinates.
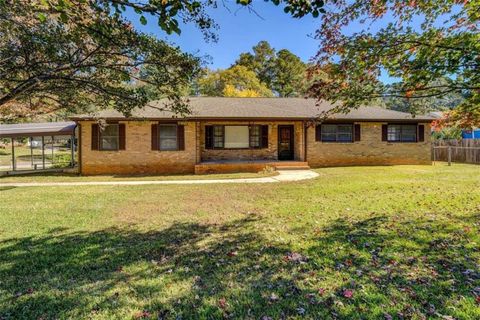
(343, 120)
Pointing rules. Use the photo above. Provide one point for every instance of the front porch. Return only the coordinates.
(231, 166)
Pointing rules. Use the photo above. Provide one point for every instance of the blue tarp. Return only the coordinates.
(471, 134)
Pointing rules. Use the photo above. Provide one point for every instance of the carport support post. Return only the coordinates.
(13, 154)
(52, 151)
(31, 150)
(72, 146)
(43, 152)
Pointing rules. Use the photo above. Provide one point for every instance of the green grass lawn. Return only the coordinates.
(399, 242)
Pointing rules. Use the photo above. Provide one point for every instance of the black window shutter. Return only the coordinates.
(384, 132)
(208, 137)
(264, 136)
(121, 136)
(357, 132)
(318, 132)
(155, 136)
(95, 138)
(421, 133)
(181, 137)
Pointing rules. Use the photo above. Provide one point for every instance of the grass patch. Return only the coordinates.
(355, 243)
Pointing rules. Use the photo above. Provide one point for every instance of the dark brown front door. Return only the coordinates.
(285, 142)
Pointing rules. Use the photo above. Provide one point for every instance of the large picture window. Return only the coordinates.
(236, 136)
(168, 137)
(337, 133)
(109, 137)
(402, 133)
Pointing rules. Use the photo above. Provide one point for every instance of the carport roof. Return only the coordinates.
(37, 129)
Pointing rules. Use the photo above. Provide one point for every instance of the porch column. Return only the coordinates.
(305, 139)
(198, 142)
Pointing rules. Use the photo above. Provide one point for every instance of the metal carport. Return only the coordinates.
(37, 146)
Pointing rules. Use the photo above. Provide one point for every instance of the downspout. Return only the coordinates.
(198, 145)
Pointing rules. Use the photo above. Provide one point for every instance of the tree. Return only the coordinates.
(236, 81)
(447, 133)
(424, 105)
(73, 55)
(289, 75)
(446, 45)
(261, 62)
(76, 58)
(282, 72)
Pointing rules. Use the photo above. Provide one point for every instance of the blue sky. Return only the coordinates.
(239, 30)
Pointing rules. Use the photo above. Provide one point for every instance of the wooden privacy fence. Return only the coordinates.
(466, 151)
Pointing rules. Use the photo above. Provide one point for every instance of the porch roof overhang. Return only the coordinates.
(37, 129)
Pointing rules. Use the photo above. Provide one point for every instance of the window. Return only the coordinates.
(255, 136)
(236, 137)
(336, 133)
(168, 136)
(218, 139)
(109, 137)
(402, 133)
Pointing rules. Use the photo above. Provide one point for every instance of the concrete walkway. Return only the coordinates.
(283, 176)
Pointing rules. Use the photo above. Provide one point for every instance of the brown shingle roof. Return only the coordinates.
(256, 108)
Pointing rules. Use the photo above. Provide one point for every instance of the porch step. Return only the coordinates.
(248, 166)
(292, 167)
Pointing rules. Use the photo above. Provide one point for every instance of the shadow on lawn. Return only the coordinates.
(232, 271)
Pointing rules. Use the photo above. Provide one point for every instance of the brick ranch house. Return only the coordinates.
(248, 134)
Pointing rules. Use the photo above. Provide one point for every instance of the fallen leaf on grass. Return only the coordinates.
(28, 291)
(387, 316)
(311, 298)
(273, 297)
(301, 311)
(347, 293)
(142, 315)
(295, 257)
(222, 303)
(232, 254)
